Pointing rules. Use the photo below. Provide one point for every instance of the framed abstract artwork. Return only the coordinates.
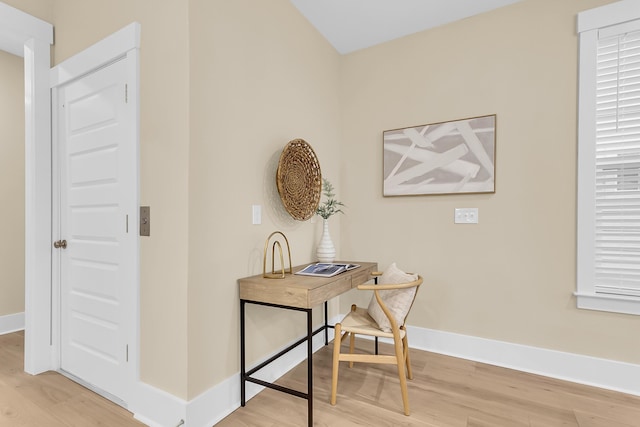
(452, 157)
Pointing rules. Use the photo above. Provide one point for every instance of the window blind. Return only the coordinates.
(617, 186)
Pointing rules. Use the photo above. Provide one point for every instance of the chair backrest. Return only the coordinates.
(393, 303)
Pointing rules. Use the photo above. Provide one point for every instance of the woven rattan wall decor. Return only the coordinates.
(299, 179)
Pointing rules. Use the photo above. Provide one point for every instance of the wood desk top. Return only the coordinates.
(304, 291)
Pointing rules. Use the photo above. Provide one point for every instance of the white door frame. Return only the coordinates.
(31, 38)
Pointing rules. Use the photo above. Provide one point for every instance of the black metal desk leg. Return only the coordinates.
(375, 280)
(242, 356)
(326, 324)
(310, 367)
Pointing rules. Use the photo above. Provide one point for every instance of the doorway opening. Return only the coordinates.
(31, 38)
(12, 192)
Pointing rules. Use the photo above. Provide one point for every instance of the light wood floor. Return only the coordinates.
(49, 399)
(445, 392)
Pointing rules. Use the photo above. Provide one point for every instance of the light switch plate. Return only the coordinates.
(466, 216)
(256, 211)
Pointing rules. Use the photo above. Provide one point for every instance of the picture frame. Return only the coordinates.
(453, 157)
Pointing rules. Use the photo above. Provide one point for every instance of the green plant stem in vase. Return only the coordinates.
(326, 251)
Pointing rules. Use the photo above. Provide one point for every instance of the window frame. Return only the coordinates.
(589, 23)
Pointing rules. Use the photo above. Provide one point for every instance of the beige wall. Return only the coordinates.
(511, 277)
(11, 184)
(260, 77)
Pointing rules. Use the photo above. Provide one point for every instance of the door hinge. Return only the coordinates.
(127, 225)
(126, 93)
(127, 356)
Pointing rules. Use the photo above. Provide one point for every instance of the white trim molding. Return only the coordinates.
(157, 408)
(608, 14)
(17, 28)
(613, 303)
(97, 55)
(577, 368)
(11, 323)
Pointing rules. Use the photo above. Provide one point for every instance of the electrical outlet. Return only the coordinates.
(466, 216)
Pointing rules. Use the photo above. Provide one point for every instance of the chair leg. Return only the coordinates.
(352, 346)
(336, 362)
(402, 374)
(405, 348)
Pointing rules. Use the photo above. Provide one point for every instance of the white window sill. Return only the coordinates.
(612, 303)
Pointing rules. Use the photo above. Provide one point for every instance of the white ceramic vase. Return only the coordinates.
(326, 252)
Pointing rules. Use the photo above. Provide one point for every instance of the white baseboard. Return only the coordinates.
(160, 409)
(157, 408)
(577, 368)
(11, 323)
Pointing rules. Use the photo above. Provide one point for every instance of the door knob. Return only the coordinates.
(60, 244)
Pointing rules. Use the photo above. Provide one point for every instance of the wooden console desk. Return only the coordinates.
(299, 293)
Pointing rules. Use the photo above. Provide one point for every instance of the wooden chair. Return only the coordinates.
(359, 321)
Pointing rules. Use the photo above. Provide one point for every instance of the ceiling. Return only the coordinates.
(350, 25)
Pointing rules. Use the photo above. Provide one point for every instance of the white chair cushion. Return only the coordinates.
(398, 301)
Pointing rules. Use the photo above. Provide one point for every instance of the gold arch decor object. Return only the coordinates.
(299, 179)
(276, 244)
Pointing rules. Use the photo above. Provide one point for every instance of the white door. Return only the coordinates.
(97, 155)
